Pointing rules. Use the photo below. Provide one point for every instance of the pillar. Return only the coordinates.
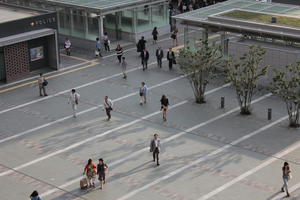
(224, 43)
(205, 34)
(100, 26)
(71, 22)
(86, 28)
(185, 35)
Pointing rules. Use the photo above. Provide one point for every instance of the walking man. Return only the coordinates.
(141, 45)
(42, 85)
(108, 106)
(98, 48)
(124, 66)
(143, 93)
(101, 170)
(106, 42)
(74, 100)
(286, 176)
(159, 56)
(155, 148)
(171, 58)
(145, 58)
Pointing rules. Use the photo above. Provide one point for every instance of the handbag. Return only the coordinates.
(174, 62)
(45, 83)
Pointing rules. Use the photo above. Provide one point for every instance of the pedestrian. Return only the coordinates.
(35, 196)
(143, 93)
(159, 56)
(155, 148)
(141, 45)
(171, 58)
(145, 58)
(98, 48)
(108, 106)
(174, 37)
(90, 172)
(74, 100)
(164, 101)
(101, 170)
(68, 46)
(154, 35)
(119, 51)
(106, 42)
(42, 85)
(124, 66)
(286, 176)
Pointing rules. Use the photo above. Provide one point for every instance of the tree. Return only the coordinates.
(244, 73)
(199, 65)
(287, 86)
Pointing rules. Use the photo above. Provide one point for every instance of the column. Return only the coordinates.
(86, 28)
(224, 43)
(185, 35)
(150, 16)
(100, 26)
(205, 34)
(71, 22)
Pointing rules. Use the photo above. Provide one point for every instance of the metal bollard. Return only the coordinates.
(269, 113)
(222, 102)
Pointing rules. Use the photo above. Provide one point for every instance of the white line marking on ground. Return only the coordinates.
(68, 90)
(136, 153)
(88, 110)
(254, 170)
(201, 159)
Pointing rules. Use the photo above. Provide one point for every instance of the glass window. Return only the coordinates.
(143, 19)
(93, 26)
(127, 21)
(64, 21)
(159, 15)
(78, 23)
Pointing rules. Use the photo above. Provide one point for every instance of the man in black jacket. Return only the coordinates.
(171, 58)
(141, 45)
(145, 58)
(159, 56)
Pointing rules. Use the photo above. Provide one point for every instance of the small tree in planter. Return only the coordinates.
(199, 65)
(287, 86)
(243, 74)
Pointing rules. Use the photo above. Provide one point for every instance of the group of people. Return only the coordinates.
(91, 171)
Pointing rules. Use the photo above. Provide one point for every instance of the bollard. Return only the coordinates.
(269, 113)
(222, 102)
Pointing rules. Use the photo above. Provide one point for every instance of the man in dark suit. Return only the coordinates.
(171, 58)
(145, 58)
(155, 148)
(159, 56)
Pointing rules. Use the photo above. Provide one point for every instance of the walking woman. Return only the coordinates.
(154, 34)
(108, 106)
(286, 176)
(90, 172)
(124, 66)
(174, 37)
(106, 42)
(119, 51)
(101, 170)
(164, 106)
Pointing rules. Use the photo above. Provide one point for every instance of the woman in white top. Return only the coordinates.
(68, 46)
(108, 106)
(74, 99)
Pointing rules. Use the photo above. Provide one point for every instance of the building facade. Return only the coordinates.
(28, 41)
(122, 20)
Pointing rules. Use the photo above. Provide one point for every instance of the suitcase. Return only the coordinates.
(83, 183)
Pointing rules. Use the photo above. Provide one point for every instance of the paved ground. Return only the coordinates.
(207, 152)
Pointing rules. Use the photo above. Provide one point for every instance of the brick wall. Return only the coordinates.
(16, 58)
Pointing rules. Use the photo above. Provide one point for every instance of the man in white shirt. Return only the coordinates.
(74, 99)
(155, 148)
(108, 106)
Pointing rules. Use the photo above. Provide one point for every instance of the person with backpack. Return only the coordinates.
(35, 196)
(141, 45)
(164, 101)
(101, 170)
(119, 51)
(90, 172)
(155, 148)
(106, 42)
(42, 85)
(154, 35)
(74, 100)
(108, 106)
(143, 93)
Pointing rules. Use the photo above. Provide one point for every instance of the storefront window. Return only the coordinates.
(64, 21)
(159, 15)
(79, 24)
(127, 21)
(93, 26)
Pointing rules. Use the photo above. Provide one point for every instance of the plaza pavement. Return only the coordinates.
(207, 152)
